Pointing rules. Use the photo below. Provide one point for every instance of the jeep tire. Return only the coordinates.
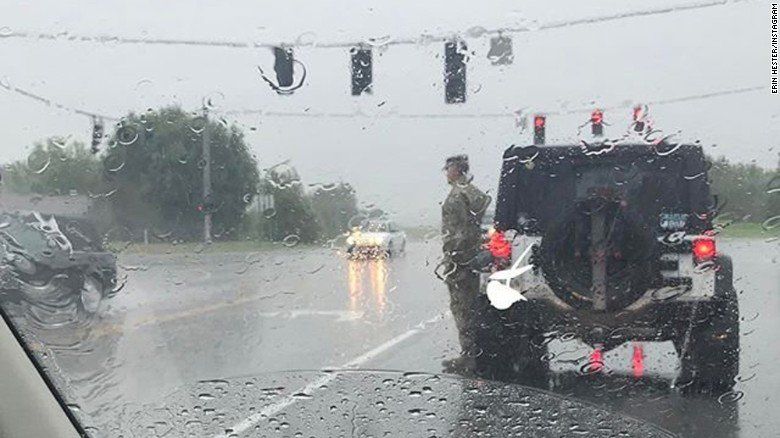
(711, 362)
(511, 343)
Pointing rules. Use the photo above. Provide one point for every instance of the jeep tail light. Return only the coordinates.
(499, 246)
(638, 361)
(703, 249)
(596, 361)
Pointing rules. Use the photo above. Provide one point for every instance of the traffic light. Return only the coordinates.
(97, 134)
(362, 70)
(539, 123)
(455, 72)
(206, 206)
(283, 66)
(500, 52)
(597, 123)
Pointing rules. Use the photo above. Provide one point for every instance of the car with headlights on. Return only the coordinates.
(376, 238)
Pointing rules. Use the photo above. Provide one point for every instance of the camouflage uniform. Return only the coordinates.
(462, 213)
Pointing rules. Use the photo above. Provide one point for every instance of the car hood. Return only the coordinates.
(369, 403)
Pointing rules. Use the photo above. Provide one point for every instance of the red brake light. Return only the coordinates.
(703, 249)
(596, 361)
(539, 121)
(597, 117)
(638, 361)
(499, 246)
(637, 113)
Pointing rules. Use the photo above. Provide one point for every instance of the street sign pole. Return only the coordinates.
(207, 201)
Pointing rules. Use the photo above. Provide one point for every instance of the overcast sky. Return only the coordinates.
(395, 161)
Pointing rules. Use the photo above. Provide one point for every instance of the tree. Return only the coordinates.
(773, 193)
(741, 189)
(54, 167)
(293, 210)
(155, 162)
(334, 205)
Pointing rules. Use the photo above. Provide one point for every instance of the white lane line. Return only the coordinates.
(275, 408)
(340, 315)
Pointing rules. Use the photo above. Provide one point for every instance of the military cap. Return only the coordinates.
(462, 161)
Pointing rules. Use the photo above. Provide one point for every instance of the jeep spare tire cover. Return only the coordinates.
(569, 250)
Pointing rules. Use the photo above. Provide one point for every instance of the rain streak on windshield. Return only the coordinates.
(400, 219)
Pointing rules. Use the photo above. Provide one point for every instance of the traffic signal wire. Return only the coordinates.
(375, 42)
(310, 114)
(51, 103)
(360, 114)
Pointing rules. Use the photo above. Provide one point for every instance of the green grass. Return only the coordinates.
(749, 230)
(422, 232)
(196, 247)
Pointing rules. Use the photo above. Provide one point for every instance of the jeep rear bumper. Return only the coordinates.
(660, 314)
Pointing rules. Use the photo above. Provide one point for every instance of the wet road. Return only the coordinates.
(183, 318)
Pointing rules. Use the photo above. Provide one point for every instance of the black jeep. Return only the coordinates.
(622, 249)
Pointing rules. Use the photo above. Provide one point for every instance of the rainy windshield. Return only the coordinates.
(402, 218)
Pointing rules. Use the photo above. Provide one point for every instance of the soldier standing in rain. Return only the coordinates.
(462, 214)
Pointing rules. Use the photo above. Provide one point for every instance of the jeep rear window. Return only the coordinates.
(648, 184)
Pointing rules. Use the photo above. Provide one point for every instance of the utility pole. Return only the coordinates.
(207, 201)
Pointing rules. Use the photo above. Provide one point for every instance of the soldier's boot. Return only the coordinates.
(461, 365)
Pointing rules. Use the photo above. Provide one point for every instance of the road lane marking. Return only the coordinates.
(340, 315)
(139, 322)
(136, 323)
(277, 407)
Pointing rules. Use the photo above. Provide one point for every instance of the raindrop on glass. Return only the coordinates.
(213, 101)
(268, 213)
(42, 167)
(771, 223)
(380, 41)
(59, 142)
(306, 39)
(730, 397)
(291, 240)
(126, 135)
(198, 124)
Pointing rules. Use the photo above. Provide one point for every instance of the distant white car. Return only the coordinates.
(376, 238)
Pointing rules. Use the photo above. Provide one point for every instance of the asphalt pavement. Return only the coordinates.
(184, 318)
